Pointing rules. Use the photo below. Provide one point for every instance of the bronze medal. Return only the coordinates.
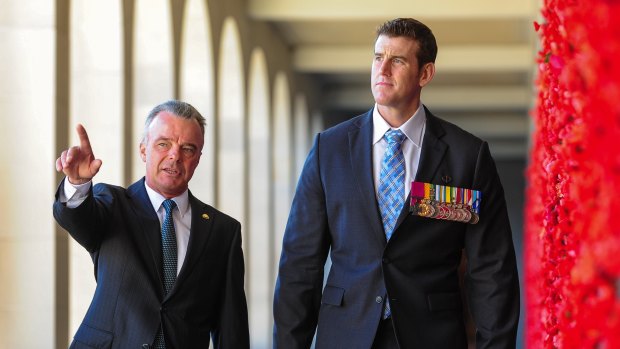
(431, 210)
(444, 212)
(453, 213)
(467, 215)
(458, 214)
(464, 217)
(474, 218)
(436, 210)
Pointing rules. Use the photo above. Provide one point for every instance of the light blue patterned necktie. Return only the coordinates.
(392, 181)
(391, 195)
(169, 256)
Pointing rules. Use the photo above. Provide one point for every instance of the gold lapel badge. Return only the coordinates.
(205, 216)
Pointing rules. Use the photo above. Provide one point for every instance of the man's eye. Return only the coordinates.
(189, 151)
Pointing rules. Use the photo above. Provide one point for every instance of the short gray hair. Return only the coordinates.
(178, 108)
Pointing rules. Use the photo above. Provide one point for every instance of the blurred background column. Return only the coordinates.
(27, 175)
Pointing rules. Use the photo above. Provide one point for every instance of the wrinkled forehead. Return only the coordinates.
(396, 44)
(174, 127)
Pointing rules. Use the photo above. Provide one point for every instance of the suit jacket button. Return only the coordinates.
(379, 299)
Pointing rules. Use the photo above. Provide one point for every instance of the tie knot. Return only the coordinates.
(394, 136)
(169, 204)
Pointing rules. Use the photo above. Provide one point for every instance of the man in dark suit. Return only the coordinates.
(393, 281)
(169, 268)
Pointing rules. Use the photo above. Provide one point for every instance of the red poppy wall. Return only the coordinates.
(573, 209)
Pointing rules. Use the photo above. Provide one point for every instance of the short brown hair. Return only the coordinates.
(416, 30)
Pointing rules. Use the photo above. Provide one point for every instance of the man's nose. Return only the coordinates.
(385, 67)
(173, 153)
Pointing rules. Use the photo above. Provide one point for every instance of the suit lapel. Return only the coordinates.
(149, 225)
(433, 151)
(202, 218)
(360, 148)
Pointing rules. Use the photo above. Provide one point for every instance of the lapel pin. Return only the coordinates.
(446, 179)
(205, 216)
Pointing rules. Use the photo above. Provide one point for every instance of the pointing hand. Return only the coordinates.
(78, 163)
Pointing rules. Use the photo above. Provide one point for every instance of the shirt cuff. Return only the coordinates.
(74, 194)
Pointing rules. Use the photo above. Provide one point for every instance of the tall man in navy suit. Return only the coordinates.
(169, 268)
(393, 281)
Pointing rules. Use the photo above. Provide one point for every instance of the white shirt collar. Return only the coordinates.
(157, 199)
(412, 128)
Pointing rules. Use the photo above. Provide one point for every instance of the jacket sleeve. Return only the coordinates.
(86, 223)
(304, 251)
(232, 330)
(492, 278)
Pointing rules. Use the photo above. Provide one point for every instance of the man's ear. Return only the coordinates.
(427, 73)
(143, 151)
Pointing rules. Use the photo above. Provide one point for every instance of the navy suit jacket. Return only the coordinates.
(335, 211)
(120, 229)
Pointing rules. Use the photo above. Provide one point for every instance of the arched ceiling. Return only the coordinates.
(485, 65)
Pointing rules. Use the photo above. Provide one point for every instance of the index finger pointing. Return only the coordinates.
(84, 141)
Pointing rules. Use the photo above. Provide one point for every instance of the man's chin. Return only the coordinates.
(382, 99)
(173, 191)
(172, 183)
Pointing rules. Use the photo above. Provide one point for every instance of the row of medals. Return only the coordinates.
(441, 210)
